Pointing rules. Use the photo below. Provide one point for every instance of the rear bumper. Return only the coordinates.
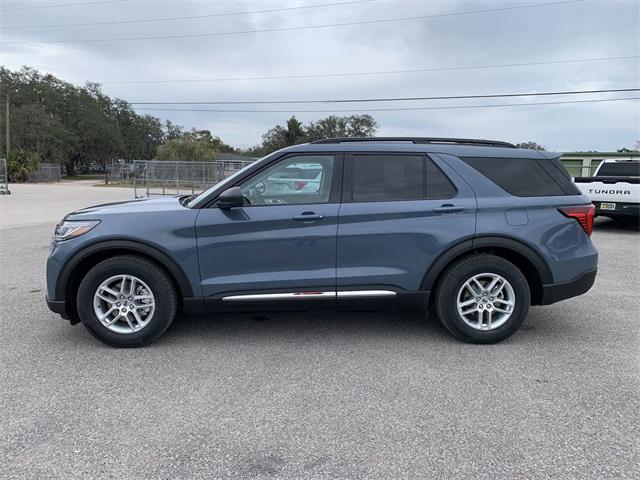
(622, 209)
(58, 306)
(556, 292)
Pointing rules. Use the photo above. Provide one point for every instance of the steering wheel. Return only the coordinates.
(254, 194)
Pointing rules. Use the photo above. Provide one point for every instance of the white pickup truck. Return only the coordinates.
(614, 188)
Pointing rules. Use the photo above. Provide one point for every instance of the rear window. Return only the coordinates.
(619, 169)
(525, 177)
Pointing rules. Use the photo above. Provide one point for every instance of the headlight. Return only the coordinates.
(72, 229)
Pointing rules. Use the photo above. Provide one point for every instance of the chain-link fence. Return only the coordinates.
(154, 177)
(4, 177)
(46, 172)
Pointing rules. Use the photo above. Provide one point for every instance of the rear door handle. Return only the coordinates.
(308, 217)
(448, 208)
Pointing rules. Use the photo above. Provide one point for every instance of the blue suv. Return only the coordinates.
(474, 231)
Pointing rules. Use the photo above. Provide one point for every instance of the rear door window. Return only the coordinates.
(395, 177)
(438, 185)
(384, 178)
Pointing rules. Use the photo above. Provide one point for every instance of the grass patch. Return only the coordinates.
(84, 177)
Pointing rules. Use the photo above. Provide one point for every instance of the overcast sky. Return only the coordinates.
(572, 31)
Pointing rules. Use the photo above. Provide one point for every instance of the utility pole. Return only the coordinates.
(7, 142)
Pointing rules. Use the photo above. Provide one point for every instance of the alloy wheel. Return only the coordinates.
(486, 301)
(124, 304)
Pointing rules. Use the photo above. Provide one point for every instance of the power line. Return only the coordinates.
(288, 29)
(191, 17)
(392, 99)
(379, 72)
(59, 5)
(497, 105)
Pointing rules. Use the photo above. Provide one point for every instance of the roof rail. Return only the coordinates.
(420, 140)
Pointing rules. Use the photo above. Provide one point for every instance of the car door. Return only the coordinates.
(281, 245)
(399, 213)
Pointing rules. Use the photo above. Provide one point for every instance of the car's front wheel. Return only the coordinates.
(126, 301)
(482, 298)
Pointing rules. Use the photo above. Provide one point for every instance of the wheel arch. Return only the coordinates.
(530, 262)
(75, 269)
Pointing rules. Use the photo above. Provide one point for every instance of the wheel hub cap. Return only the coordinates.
(124, 304)
(486, 301)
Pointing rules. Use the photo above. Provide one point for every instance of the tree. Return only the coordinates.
(334, 126)
(196, 145)
(530, 145)
(20, 163)
(295, 132)
(73, 126)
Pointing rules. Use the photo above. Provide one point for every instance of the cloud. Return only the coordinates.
(589, 29)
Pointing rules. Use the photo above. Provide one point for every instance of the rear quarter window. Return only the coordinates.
(525, 177)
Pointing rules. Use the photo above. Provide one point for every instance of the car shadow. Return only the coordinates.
(541, 326)
(610, 225)
(303, 326)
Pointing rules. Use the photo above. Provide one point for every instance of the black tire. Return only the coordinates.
(166, 300)
(455, 276)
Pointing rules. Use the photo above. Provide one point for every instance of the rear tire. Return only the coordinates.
(474, 308)
(126, 301)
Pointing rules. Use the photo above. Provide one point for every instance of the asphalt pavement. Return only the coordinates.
(314, 395)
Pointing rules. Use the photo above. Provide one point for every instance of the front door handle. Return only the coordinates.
(308, 217)
(448, 208)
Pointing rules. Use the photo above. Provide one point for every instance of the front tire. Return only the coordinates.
(482, 298)
(126, 301)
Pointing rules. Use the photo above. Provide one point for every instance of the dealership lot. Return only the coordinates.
(341, 395)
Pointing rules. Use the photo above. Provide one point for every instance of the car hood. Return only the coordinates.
(161, 204)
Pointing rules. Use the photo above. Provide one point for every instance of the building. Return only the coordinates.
(583, 164)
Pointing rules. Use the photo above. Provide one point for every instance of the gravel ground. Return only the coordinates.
(349, 395)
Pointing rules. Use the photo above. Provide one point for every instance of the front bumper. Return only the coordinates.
(58, 306)
(556, 292)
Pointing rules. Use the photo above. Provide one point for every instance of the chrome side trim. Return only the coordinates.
(310, 295)
(280, 296)
(366, 293)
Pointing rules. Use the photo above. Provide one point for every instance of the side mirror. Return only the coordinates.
(230, 198)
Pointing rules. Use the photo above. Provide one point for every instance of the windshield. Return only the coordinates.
(620, 169)
(194, 201)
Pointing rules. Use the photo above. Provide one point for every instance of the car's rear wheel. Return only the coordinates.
(482, 298)
(126, 301)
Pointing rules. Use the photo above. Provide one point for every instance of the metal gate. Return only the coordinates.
(158, 177)
(46, 172)
(4, 178)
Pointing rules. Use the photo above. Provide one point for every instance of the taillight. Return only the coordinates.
(584, 214)
(300, 185)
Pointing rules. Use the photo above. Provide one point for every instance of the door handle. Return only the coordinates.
(448, 208)
(308, 217)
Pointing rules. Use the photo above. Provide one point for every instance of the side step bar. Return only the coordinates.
(310, 295)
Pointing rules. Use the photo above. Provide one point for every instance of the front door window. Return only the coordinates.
(297, 180)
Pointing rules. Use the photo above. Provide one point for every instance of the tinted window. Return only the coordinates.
(295, 180)
(559, 172)
(438, 185)
(524, 177)
(619, 169)
(387, 177)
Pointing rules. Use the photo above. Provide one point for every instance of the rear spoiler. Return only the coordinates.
(607, 180)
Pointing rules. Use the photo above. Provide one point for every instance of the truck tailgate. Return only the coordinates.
(610, 189)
